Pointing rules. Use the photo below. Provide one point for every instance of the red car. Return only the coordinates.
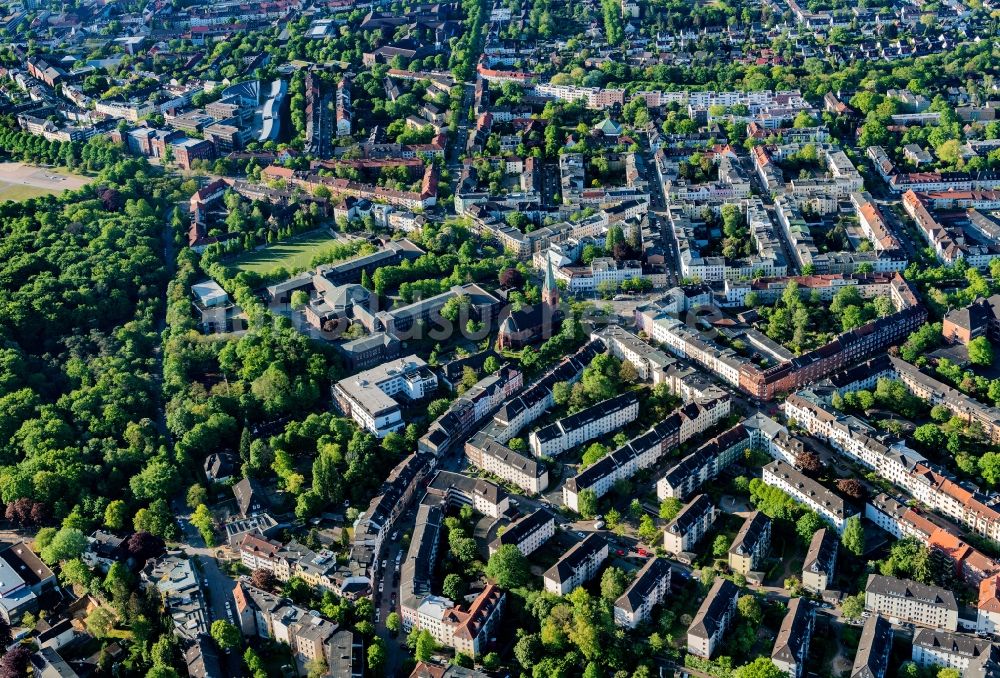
(643, 552)
(620, 552)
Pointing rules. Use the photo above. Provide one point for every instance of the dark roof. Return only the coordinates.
(753, 530)
(793, 636)
(649, 578)
(714, 608)
(911, 590)
(822, 553)
(571, 560)
(872, 657)
(516, 532)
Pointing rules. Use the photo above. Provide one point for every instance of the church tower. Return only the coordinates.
(550, 292)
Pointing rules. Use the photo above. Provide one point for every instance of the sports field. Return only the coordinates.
(293, 255)
(19, 181)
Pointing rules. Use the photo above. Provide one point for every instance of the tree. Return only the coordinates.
(100, 622)
(761, 667)
(196, 495)
(508, 567)
(587, 502)
(669, 508)
(853, 488)
(264, 579)
(720, 546)
(66, 544)
(116, 515)
(647, 529)
(425, 646)
(808, 525)
(613, 584)
(15, 663)
(527, 650)
(854, 536)
(203, 522)
(376, 655)
(453, 587)
(853, 606)
(393, 623)
(749, 608)
(809, 462)
(980, 351)
(316, 668)
(225, 634)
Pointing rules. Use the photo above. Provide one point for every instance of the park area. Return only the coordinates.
(20, 181)
(295, 254)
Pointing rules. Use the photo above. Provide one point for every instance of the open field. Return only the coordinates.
(294, 254)
(19, 181)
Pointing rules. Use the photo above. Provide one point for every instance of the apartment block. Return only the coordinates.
(691, 472)
(713, 619)
(494, 457)
(906, 601)
(647, 449)
(690, 525)
(791, 648)
(751, 545)
(820, 564)
(872, 657)
(592, 422)
(577, 566)
(934, 648)
(528, 533)
(646, 591)
(805, 490)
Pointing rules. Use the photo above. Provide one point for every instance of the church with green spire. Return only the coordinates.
(536, 323)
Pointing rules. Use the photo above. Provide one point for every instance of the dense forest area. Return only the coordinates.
(82, 278)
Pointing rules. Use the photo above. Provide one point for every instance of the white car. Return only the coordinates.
(381, 586)
(383, 564)
(599, 525)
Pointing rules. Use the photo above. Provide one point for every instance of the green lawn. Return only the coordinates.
(293, 255)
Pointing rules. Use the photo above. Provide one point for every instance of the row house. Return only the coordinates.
(647, 449)
(970, 656)
(830, 506)
(704, 464)
(593, 422)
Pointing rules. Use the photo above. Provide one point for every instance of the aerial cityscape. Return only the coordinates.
(500, 338)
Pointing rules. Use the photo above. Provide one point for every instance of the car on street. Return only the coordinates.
(599, 525)
(620, 552)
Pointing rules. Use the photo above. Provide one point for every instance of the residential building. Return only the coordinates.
(647, 590)
(751, 545)
(577, 566)
(820, 564)
(934, 648)
(24, 581)
(830, 506)
(713, 619)
(690, 525)
(528, 533)
(705, 463)
(689, 420)
(872, 658)
(791, 648)
(906, 601)
(592, 422)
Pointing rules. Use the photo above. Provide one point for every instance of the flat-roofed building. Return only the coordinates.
(370, 397)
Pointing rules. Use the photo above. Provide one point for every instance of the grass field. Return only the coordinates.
(294, 254)
(19, 181)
